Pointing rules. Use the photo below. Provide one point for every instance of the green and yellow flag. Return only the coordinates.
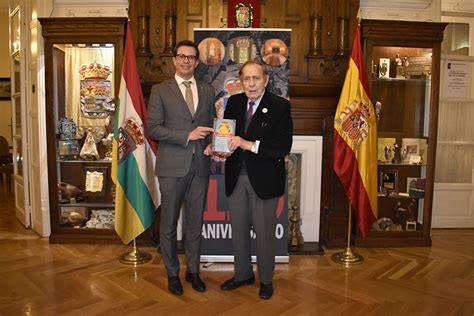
(134, 155)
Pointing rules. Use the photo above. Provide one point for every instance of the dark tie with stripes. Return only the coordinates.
(249, 115)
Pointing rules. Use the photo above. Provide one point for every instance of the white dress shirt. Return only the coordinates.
(194, 89)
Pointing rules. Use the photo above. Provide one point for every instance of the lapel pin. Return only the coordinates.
(264, 110)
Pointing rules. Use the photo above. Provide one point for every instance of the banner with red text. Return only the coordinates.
(222, 52)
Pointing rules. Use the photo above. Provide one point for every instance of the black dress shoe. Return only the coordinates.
(231, 284)
(174, 286)
(195, 281)
(266, 291)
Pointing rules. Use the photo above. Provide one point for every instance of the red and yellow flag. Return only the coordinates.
(355, 140)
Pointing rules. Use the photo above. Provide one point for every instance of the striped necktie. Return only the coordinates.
(189, 96)
(249, 114)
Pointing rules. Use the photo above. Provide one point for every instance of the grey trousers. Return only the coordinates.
(248, 210)
(192, 191)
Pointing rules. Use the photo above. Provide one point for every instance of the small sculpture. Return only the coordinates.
(388, 153)
(69, 193)
(397, 157)
(398, 61)
(89, 149)
(410, 224)
(66, 128)
(411, 215)
(399, 69)
(378, 109)
(107, 141)
(382, 224)
(399, 214)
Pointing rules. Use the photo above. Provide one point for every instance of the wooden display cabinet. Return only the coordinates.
(403, 65)
(83, 58)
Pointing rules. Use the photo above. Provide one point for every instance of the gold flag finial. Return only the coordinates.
(359, 16)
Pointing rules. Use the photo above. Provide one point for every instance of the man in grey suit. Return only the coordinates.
(180, 115)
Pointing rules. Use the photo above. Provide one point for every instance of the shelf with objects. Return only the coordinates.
(83, 58)
(403, 66)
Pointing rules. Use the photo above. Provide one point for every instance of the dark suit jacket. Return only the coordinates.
(273, 127)
(169, 122)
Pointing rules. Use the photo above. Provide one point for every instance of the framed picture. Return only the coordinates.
(68, 148)
(385, 149)
(414, 150)
(5, 89)
(389, 181)
(416, 187)
(384, 68)
(95, 181)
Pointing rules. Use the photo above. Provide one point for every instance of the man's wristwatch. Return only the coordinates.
(254, 147)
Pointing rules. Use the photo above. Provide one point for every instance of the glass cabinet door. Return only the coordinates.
(83, 57)
(83, 89)
(401, 82)
(403, 67)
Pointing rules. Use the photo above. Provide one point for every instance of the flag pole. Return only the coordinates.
(348, 258)
(135, 256)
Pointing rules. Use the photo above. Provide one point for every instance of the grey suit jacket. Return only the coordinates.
(169, 122)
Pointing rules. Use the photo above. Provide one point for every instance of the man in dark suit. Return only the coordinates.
(255, 174)
(180, 115)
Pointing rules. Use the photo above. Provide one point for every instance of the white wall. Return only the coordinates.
(90, 8)
(5, 106)
(408, 10)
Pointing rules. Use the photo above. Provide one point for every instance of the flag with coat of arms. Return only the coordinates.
(355, 140)
(134, 154)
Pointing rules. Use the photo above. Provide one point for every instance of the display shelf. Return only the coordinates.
(403, 63)
(83, 57)
(88, 204)
(400, 164)
(85, 161)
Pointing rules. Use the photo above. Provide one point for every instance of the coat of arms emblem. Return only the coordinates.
(130, 135)
(354, 120)
(95, 90)
(244, 14)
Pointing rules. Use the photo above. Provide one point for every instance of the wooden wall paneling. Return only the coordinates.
(150, 66)
(191, 25)
(297, 61)
(216, 10)
(330, 71)
(296, 19)
(329, 27)
(315, 82)
(195, 7)
(190, 15)
(273, 14)
(294, 8)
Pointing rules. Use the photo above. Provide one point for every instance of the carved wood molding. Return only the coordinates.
(99, 27)
(382, 30)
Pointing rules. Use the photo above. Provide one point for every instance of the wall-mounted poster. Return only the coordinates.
(222, 53)
(456, 79)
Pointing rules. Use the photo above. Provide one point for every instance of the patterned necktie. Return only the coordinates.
(189, 96)
(249, 115)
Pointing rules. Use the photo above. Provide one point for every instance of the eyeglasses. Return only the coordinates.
(183, 57)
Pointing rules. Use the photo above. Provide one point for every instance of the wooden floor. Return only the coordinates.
(38, 278)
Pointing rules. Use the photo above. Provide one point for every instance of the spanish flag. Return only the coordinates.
(134, 155)
(355, 140)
